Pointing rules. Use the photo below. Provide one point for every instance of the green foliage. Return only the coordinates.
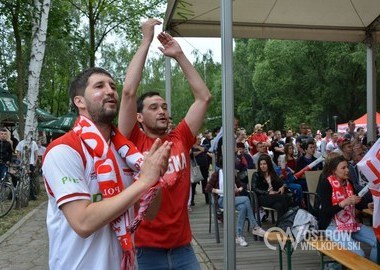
(291, 82)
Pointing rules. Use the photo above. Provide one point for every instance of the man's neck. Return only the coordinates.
(105, 130)
(154, 134)
(308, 156)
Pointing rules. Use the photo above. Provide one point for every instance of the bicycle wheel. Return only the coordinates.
(7, 198)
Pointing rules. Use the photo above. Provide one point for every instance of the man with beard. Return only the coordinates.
(164, 243)
(88, 175)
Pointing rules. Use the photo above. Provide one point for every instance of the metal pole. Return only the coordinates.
(168, 85)
(228, 137)
(371, 88)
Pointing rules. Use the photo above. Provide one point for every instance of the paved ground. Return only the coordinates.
(25, 245)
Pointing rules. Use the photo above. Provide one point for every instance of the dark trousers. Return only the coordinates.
(33, 183)
(280, 202)
(204, 171)
(3, 170)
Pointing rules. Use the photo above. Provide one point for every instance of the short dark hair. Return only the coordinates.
(79, 83)
(3, 129)
(240, 145)
(306, 144)
(140, 100)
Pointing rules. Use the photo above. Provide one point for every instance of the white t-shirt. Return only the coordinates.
(34, 148)
(331, 146)
(68, 179)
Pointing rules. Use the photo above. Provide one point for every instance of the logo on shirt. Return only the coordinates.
(68, 179)
(97, 197)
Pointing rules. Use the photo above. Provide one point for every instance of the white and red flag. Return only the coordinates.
(369, 170)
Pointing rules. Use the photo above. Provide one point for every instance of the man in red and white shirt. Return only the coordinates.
(81, 214)
(164, 242)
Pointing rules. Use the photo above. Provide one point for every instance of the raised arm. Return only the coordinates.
(128, 109)
(197, 110)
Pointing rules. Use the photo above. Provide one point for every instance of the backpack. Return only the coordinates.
(300, 221)
(287, 219)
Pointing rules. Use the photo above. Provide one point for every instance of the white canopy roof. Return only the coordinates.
(324, 20)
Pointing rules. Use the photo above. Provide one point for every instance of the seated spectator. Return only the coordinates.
(350, 134)
(306, 159)
(261, 149)
(345, 148)
(333, 143)
(286, 175)
(360, 132)
(302, 138)
(358, 182)
(326, 140)
(241, 137)
(258, 136)
(271, 191)
(242, 204)
(290, 160)
(338, 203)
(277, 146)
(243, 162)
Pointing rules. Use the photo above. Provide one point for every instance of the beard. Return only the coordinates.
(102, 116)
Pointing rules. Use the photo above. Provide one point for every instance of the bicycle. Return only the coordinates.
(7, 192)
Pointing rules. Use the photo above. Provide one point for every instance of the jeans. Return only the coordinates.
(365, 234)
(243, 206)
(171, 259)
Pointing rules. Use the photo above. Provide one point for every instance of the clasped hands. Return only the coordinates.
(156, 161)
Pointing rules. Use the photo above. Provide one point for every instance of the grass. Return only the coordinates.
(16, 214)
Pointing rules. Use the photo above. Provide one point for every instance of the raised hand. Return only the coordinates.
(170, 47)
(147, 28)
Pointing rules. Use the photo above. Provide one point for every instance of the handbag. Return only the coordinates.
(195, 172)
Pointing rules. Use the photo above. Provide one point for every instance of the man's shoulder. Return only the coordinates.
(69, 139)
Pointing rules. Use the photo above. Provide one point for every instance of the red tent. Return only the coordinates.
(360, 122)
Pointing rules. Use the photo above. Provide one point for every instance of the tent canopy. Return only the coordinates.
(324, 20)
(360, 122)
(64, 122)
(9, 108)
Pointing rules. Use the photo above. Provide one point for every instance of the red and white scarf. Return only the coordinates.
(344, 219)
(110, 181)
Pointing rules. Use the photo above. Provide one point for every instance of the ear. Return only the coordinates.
(79, 102)
(140, 118)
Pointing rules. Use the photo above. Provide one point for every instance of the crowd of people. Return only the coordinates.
(280, 162)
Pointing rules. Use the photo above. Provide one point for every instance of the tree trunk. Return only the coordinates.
(40, 23)
(91, 24)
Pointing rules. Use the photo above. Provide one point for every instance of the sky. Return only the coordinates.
(190, 44)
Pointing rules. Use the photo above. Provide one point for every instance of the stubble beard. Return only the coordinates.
(103, 117)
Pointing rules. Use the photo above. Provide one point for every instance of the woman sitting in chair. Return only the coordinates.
(270, 190)
(338, 203)
(242, 205)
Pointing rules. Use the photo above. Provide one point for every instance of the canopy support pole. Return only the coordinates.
(168, 85)
(371, 87)
(228, 137)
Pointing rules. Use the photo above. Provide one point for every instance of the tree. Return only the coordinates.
(110, 16)
(16, 12)
(41, 14)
